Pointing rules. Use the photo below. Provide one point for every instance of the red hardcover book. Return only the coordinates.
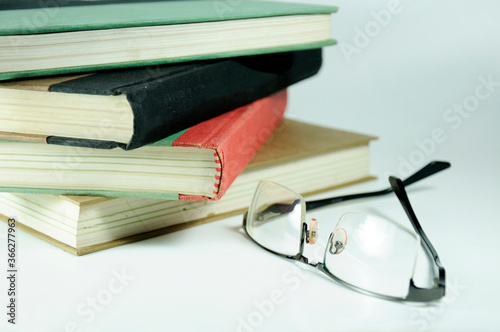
(198, 163)
(236, 136)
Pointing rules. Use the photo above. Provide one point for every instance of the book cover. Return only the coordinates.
(133, 107)
(307, 158)
(199, 163)
(56, 40)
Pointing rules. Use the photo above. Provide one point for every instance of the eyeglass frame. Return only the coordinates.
(415, 293)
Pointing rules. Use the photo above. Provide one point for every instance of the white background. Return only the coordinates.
(400, 84)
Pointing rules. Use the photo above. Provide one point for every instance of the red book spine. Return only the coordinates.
(236, 137)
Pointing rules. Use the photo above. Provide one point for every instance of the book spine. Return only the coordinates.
(236, 137)
(165, 107)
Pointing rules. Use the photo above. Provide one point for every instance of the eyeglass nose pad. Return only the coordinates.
(312, 233)
(338, 242)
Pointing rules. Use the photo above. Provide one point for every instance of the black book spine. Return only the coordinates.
(169, 99)
(168, 106)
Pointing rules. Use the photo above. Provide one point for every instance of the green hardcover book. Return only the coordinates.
(68, 39)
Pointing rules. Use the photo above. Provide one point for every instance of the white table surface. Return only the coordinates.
(400, 85)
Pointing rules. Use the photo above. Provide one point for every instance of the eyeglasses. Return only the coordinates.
(368, 254)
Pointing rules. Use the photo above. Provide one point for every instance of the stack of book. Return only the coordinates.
(124, 120)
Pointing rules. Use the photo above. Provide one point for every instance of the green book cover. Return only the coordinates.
(57, 40)
(123, 15)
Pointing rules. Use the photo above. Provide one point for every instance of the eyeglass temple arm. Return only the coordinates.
(429, 294)
(428, 170)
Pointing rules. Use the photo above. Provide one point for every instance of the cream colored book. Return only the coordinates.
(307, 158)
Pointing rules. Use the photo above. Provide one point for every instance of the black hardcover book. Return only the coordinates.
(133, 107)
